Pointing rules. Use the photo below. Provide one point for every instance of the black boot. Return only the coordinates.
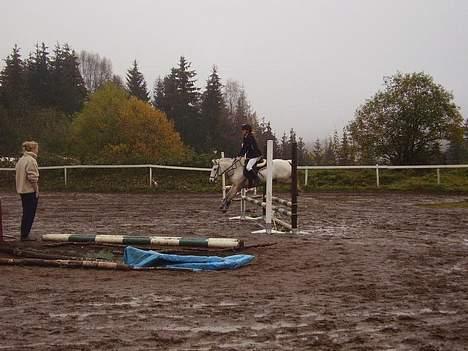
(252, 178)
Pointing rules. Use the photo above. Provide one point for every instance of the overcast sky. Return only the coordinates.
(305, 65)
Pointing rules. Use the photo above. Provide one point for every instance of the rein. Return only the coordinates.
(230, 169)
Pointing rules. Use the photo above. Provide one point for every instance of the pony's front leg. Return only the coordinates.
(229, 196)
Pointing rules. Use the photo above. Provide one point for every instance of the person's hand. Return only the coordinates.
(37, 194)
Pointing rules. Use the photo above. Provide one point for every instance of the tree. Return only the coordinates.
(317, 153)
(213, 111)
(94, 70)
(344, 152)
(114, 127)
(329, 154)
(69, 88)
(136, 84)
(285, 147)
(403, 123)
(13, 93)
(232, 90)
(39, 77)
(179, 98)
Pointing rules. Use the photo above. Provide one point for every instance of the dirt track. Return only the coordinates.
(375, 272)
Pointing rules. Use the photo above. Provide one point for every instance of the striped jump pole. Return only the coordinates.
(220, 243)
(63, 263)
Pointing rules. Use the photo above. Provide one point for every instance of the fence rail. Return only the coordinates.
(306, 169)
(378, 168)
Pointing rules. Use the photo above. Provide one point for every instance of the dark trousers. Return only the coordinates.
(29, 202)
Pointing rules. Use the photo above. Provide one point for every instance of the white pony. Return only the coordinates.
(233, 168)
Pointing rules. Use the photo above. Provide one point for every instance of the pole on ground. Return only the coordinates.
(294, 187)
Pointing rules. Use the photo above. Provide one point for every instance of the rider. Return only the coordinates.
(252, 154)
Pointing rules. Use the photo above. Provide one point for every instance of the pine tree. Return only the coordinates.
(317, 153)
(69, 88)
(329, 157)
(301, 152)
(344, 154)
(213, 111)
(179, 98)
(243, 111)
(158, 95)
(13, 93)
(284, 147)
(39, 77)
(136, 84)
(14, 103)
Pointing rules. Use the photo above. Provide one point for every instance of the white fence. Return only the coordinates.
(150, 169)
(377, 168)
(307, 169)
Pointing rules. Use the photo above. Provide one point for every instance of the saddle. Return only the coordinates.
(262, 163)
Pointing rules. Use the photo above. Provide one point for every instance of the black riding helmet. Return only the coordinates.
(246, 127)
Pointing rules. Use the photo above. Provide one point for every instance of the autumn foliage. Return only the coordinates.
(114, 127)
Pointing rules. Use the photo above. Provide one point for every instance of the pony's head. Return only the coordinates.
(214, 171)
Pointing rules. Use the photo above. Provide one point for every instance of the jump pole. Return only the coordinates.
(269, 193)
(220, 243)
(294, 229)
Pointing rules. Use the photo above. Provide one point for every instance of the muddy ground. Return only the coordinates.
(374, 272)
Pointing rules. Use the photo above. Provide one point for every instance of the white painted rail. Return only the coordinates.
(307, 169)
(377, 169)
(149, 166)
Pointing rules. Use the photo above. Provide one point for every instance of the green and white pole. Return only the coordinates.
(220, 243)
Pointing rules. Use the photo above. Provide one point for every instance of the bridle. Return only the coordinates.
(228, 171)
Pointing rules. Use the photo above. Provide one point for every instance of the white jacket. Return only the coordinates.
(27, 173)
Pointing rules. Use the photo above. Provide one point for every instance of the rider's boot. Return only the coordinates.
(251, 177)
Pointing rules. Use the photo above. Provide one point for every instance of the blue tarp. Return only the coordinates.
(136, 258)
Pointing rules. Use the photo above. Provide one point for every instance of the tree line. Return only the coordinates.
(50, 96)
(413, 120)
(74, 105)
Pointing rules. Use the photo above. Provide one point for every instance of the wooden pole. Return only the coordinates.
(63, 263)
(377, 175)
(148, 240)
(150, 177)
(223, 180)
(294, 187)
(269, 187)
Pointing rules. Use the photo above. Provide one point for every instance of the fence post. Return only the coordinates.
(150, 177)
(438, 176)
(306, 179)
(377, 175)
(65, 176)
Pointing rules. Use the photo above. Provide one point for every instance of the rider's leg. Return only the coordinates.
(252, 170)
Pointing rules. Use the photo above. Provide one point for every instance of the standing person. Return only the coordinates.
(252, 154)
(27, 177)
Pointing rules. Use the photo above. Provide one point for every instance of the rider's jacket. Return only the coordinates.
(249, 147)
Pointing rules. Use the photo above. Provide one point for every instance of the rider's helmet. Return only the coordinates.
(246, 127)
